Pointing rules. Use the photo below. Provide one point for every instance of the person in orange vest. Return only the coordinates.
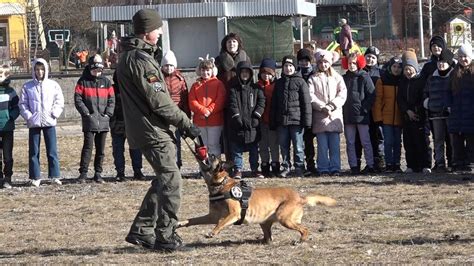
(82, 55)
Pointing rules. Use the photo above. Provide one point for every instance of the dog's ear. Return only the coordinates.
(227, 166)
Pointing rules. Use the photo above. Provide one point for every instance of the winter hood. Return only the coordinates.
(46, 69)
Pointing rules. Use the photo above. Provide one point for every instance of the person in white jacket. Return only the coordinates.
(41, 103)
(328, 94)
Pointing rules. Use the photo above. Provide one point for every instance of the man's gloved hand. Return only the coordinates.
(192, 132)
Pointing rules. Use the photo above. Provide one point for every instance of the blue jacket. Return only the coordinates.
(461, 101)
(436, 91)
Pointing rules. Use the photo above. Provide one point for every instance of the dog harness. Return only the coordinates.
(241, 192)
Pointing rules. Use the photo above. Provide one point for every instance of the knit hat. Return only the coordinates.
(304, 54)
(169, 59)
(438, 40)
(446, 56)
(465, 50)
(289, 59)
(206, 62)
(268, 65)
(409, 59)
(359, 59)
(326, 55)
(4, 73)
(372, 50)
(96, 62)
(146, 20)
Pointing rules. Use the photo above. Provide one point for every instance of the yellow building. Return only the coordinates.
(20, 23)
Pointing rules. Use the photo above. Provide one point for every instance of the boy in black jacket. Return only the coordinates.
(246, 105)
(410, 102)
(291, 114)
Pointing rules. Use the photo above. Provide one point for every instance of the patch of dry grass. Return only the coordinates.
(392, 218)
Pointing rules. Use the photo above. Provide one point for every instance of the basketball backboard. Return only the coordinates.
(59, 34)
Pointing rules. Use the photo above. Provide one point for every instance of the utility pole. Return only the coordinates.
(420, 22)
(430, 17)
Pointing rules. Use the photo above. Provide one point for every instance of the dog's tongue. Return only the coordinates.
(201, 153)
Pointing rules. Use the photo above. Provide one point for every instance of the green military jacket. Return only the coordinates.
(149, 112)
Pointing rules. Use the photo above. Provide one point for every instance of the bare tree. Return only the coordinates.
(370, 7)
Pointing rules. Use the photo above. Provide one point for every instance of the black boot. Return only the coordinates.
(266, 170)
(275, 168)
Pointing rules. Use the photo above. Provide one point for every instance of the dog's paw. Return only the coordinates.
(296, 242)
(209, 235)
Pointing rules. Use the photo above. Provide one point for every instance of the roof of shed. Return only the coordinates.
(219, 9)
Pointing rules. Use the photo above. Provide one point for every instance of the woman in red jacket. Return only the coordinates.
(207, 99)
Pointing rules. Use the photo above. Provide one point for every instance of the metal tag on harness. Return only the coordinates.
(236, 192)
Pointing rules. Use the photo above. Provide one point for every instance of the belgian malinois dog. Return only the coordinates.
(265, 205)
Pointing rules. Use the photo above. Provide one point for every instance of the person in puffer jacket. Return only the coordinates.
(95, 101)
(246, 106)
(436, 103)
(356, 111)
(328, 94)
(41, 103)
(9, 112)
(291, 114)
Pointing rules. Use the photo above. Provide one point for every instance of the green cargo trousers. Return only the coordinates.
(158, 213)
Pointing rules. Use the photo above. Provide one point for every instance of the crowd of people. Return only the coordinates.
(235, 112)
(151, 106)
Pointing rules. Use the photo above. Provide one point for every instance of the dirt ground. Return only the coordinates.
(388, 218)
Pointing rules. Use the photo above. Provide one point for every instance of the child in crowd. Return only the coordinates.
(375, 130)
(41, 103)
(268, 145)
(461, 118)
(387, 113)
(356, 110)
(305, 60)
(95, 100)
(117, 131)
(178, 90)
(207, 99)
(410, 102)
(9, 112)
(246, 105)
(328, 95)
(291, 114)
(435, 102)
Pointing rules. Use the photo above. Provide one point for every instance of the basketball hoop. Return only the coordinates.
(59, 43)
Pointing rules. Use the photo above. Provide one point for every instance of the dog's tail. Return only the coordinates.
(317, 199)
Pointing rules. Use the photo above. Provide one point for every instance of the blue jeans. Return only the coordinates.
(236, 150)
(392, 144)
(34, 140)
(118, 150)
(295, 135)
(329, 153)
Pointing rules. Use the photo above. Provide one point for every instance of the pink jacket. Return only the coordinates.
(327, 90)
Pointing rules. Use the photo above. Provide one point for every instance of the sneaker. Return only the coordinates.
(310, 171)
(409, 170)
(323, 173)
(5, 184)
(138, 175)
(36, 182)
(355, 170)
(82, 178)
(389, 168)
(426, 170)
(368, 170)
(284, 173)
(396, 168)
(120, 177)
(98, 178)
(56, 181)
(237, 175)
(439, 169)
(144, 241)
(257, 174)
(170, 245)
(335, 173)
(299, 172)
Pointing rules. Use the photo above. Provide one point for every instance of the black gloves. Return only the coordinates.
(192, 132)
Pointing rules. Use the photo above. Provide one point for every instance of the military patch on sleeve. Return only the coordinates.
(152, 78)
(157, 86)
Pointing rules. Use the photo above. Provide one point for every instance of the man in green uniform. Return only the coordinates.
(150, 117)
